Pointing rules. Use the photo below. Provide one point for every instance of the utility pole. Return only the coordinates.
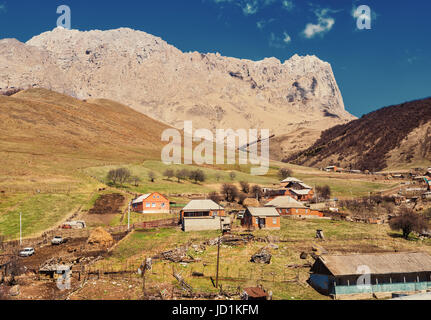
(218, 247)
(128, 218)
(20, 229)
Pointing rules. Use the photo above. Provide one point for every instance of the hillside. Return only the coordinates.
(393, 137)
(43, 132)
(155, 78)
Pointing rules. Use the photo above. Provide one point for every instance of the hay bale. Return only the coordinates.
(101, 237)
(251, 202)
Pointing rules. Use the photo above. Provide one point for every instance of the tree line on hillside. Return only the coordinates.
(231, 193)
(121, 176)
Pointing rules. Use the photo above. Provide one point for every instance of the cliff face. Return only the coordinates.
(157, 79)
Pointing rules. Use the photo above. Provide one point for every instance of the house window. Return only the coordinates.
(147, 205)
(306, 211)
(297, 211)
(257, 220)
(274, 220)
(163, 204)
(153, 205)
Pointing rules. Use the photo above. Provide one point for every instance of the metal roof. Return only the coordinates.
(303, 192)
(284, 202)
(305, 186)
(202, 205)
(291, 179)
(141, 198)
(263, 212)
(381, 263)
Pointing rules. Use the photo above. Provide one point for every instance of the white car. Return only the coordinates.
(57, 240)
(26, 252)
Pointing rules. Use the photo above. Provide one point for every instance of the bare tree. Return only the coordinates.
(284, 173)
(323, 192)
(120, 175)
(181, 174)
(197, 175)
(408, 221)
(135, 180)
(229, 192)
(152, 176)
(257, 192)
(169, 173)
(245, 186)
(214, 196)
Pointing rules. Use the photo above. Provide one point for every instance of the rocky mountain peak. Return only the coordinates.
(153, 77)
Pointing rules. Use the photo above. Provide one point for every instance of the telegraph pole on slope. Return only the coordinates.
(20, 228)
(218, 247)
(128, 218)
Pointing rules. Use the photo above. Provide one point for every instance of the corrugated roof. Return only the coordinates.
(284, 202)
(202, 205)
(291, 179)
(382, 263)
(263, 212)
(141, 198)
(305, 186)
(303, 192)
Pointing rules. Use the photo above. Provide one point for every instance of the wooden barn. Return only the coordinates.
(287, 206)
(350, 275)
(151, 203)
(261, 218)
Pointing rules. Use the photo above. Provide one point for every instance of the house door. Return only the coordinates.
(262, 223)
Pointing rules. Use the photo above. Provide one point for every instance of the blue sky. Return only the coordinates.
(389, 64)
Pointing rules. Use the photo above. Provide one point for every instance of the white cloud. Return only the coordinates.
(2, 7)
(288, 5)
(249, 7)
(324, 24)
(287, 39)
(279, 42)
(261, 24)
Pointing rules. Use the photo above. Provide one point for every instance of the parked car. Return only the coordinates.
(57, 240)
(26, 252)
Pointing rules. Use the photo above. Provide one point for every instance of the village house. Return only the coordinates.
(286, 183)
(287, 206)
(199, 215)
(151, 203)
(338, 275)
(330, 169)
(294, 188)
(261, 218)
(301, 195)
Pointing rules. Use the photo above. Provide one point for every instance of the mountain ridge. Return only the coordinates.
(153, 77)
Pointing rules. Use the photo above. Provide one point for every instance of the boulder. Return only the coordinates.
(263, 256)
(15, 291)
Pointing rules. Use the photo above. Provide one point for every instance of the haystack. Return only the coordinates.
(251, 202)
(100, 236)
